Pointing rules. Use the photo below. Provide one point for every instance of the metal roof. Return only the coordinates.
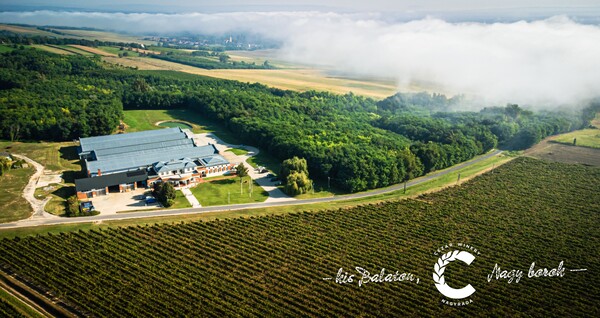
(101, 153)
(123, 140)
(143, 158)
(214, 160)
(172, 165)
(87, 184)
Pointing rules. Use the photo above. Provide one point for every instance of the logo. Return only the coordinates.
(438, 274)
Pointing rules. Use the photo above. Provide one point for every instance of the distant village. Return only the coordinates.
(229, 42)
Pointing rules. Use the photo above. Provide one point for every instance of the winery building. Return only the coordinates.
(123, 162)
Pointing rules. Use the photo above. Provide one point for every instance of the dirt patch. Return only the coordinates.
(565, 153)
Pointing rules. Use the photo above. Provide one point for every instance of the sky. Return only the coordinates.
(539, 53)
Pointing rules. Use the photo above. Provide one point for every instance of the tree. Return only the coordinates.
(294, 172)
(164, 193)
(241, 170)
(293, 164)
(72, 206)
(223, 58)
(297, 183)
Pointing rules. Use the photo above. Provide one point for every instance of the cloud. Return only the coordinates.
(545, 62)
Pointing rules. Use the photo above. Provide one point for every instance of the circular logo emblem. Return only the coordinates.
(438, 274)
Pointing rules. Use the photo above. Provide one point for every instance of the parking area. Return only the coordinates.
(126, 201)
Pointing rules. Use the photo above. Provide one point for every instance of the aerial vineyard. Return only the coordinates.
(525, 211)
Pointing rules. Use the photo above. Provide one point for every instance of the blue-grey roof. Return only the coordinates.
(139, 150)
(138, 159)
(123, 140)
(171, 144)
(214, 160)
(172, 165)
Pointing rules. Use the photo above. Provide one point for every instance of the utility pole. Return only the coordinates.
(458, 180)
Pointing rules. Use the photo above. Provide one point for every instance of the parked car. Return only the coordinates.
(150, 199)
(86, 206)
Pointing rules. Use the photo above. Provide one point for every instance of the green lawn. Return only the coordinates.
(138, 120)
(180, 201)
(227, 191)
(5, 48)
(12, 205)
(585, 138)
(238, 151)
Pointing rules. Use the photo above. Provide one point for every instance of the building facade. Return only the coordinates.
(124, 162)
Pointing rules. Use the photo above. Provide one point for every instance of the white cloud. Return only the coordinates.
(553, 61)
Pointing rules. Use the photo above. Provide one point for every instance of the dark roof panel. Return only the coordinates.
(87, 184)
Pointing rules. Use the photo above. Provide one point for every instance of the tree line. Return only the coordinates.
(354, 141)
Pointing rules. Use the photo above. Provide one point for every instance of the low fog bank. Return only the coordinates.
(544, 63)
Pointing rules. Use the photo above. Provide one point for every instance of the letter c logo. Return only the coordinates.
(438, 274)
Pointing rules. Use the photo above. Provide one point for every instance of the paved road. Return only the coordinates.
(100, 218)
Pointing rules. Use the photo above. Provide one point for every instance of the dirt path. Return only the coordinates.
(29, 191)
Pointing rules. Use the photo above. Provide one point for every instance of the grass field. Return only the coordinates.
(27, 30)
(239, 152)
(293, 79)
(528, 211)
(55, 156)
(12, 204)
(4, 48)
(138, 120)
(52, 49)
(91, 50)
(180, 201)
(585, 138)
(228, 191)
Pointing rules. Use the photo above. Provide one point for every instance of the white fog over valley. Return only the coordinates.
(548, 62)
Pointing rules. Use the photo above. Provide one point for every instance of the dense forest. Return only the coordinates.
(357, 142)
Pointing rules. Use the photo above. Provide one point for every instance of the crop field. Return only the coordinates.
(293, 79)
(92, 50)
(526, 211)
(52, 49)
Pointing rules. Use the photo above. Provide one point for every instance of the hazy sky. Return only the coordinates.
(423, 6)
(527, 52)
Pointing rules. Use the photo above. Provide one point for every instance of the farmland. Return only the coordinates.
(526, 211)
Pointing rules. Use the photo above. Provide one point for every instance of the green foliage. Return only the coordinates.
(53, 97)
(5, 165)
(294, 172)
(294, 164)
(72, 206)
(164, 192)
(241, 170)
(208, 63)
(297, 183)
(526, 211)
